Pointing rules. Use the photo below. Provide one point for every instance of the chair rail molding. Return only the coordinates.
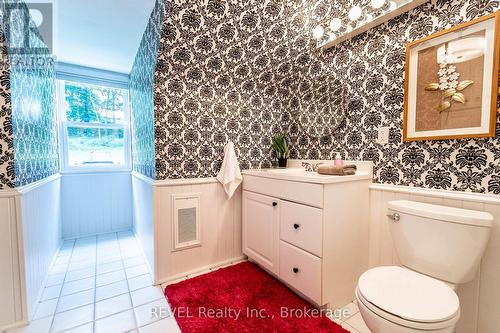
(30, 187)
(174, 182)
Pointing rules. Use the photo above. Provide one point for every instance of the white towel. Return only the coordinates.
(230, 175)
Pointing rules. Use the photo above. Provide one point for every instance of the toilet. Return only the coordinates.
(439, 248)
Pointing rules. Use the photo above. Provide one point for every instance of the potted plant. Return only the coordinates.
(280, 146)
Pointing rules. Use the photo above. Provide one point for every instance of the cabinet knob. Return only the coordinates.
(275, 204)
(296, 226)
(295, 270)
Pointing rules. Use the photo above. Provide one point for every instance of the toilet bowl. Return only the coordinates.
(394, 299)
(439, 247)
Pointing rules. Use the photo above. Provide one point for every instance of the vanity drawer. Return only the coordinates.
(306, 193)
(302, 226)
(301, 270)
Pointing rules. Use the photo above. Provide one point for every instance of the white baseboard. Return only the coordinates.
(40, 292)
(14, 326)
(204, 269)
(99, 233)
(141, 245)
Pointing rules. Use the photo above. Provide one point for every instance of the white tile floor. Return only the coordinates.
(100, 284)
(353, 322)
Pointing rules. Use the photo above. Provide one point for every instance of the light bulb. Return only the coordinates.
(331, 36)
(369, 17)
(392, 5)
(355, 13)
(377, 3)
(335, 24)
(318, 32)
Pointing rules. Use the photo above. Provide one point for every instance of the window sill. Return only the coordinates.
(96, 170)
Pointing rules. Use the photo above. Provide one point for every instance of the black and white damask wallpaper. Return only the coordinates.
(371, 67)
(234, 71)
(7, 177)
(28, 116)
(141, 95)
(218, 78)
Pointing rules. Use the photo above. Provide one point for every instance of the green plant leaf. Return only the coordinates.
(280, 145)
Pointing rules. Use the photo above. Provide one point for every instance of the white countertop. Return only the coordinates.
(300, 175)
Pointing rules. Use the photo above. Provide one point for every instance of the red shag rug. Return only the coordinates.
(242, 298)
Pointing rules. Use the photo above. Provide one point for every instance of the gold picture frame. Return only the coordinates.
(451, 82)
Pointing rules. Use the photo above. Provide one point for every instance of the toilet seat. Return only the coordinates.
(408, 298)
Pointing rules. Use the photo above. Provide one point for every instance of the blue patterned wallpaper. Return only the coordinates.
(31, 82)
(34, 123)
(141, 95)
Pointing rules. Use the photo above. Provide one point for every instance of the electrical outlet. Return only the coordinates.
(383, 135)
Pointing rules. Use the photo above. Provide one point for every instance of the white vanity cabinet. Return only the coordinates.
(260, 241)
(310, 232)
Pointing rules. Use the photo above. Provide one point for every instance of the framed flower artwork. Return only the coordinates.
(451, 82)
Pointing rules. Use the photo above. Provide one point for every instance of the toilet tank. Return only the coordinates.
(446, 243)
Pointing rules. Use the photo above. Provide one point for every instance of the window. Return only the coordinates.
(94, 126)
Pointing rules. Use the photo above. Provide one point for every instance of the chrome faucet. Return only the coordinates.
(311, 167)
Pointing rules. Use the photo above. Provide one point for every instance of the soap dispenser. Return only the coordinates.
(338, 159)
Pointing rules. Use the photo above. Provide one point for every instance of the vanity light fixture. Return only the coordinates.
(355, 13)
(376, 4)
(335, 24)
(318, 32)
(359, 18)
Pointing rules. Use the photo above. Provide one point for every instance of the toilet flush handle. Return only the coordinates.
(395, 217)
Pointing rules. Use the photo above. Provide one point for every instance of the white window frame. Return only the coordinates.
(63, 132)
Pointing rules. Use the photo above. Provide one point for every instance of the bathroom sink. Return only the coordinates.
(295, 172)
(287, 171)
(301, 175)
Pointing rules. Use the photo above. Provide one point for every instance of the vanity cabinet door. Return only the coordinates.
(261, 230)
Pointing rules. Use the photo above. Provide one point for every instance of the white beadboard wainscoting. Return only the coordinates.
(30, 236)
(95, 203)
(479, 299)
(220, 224)
(143, 216)
(13, 311)
(40, 213)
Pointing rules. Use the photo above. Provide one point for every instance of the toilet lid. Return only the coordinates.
(408, 294)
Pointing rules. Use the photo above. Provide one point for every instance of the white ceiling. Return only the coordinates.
(102, 34)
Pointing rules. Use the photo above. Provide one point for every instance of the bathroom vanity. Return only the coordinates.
(309, 230)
